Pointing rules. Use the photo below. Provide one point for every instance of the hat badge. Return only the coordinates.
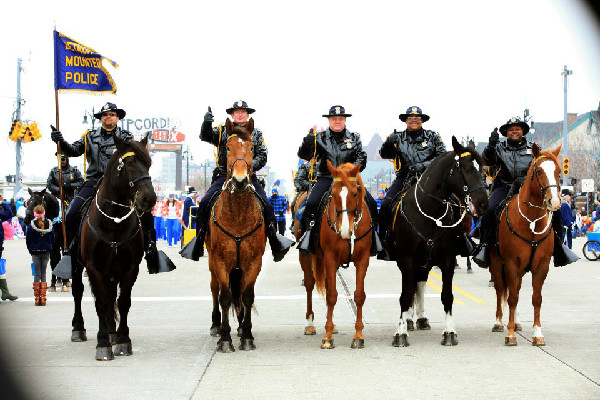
(106, 107)
(337, 110)
(415, 110)
(240, 103)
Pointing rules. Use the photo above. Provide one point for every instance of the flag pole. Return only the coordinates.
(60, 176)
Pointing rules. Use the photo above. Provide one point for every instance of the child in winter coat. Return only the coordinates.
(39, 239)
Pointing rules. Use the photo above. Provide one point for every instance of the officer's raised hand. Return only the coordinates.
(208, 117)
(494, 138)
(55, 135)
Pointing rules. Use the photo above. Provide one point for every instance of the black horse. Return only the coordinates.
(51, 205)
(112, 245)
(426, 225)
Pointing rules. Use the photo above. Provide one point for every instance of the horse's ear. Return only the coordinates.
(120, 143)
(556, 151)
(229, 126)
(331, 169)
(457, 147)
(144, 141)
(43, 192)
(30, 192)
(355, 170)
(250, 126)
(536, 150)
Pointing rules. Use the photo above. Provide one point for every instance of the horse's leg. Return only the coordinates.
(449, 337)
(247, 340)
(538, 278)
(105, 311)
(123, 345)
(421, 276)
(406, 299)
(224, 344)
(54, 259)
(112, 304)
(513, 283)
(78, 333)
(500, 287)
(309, 285)
(215, 328)
(331, 297)
(358, 342)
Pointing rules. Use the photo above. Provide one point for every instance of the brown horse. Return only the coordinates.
(235, 242)
(525, 242)
(345, 235)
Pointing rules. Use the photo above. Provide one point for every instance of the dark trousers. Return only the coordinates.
(202, 215)
(488, 221)
(385, 216)
(281, 227)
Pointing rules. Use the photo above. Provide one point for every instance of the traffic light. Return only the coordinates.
(566, 166)
(27, 137)
(35, 131)
(15, 131)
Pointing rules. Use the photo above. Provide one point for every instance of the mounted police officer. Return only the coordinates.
(240, 113)
(513, 158)
(71, 178)
(412, 150)
(98, 146)
(302, 181)
(338, 145)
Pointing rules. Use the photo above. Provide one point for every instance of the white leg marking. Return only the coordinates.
(420, 300)
(310, 322)
(449, 324)
(402, 329)
(537, 331)
(345, 228)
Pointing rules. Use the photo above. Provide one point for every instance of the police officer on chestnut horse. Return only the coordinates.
(513, 157)
(98, 146)
(218, 136)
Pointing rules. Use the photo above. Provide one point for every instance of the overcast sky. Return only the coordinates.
(470, 65)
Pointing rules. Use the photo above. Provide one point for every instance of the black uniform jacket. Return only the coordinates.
(512, 159)
(72, 181)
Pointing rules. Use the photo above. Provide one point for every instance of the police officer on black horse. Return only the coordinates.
(71, 177)
(513, 157)
(240, 113)
(338, 145)
(98, 146)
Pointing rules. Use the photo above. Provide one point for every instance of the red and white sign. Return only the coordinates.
(165, 135)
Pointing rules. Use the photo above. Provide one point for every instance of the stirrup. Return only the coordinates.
(481, 256)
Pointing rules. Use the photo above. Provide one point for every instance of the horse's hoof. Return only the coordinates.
(327, 344)
(123, 349)
(400, 340)
(78, 336)
(470, 271)
(449, 339)
(239, 331)
(225, 346)
(410, 325)
(112, 337)
(510, 341)
(423, 324)
(310, 330)
(215, 331)
(64, 289)
(518, 327)
(358, 344)
(247, 344)
(52, 288)
(104, 353)
(538, 341)
(498, 328)
(68, 283)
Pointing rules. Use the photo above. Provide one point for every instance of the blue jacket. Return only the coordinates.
(567, 215)
(280, 205)
(5, 215)
(39, 240)
(185, 217)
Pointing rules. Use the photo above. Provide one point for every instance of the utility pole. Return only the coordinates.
(18, 118)
(565, 148)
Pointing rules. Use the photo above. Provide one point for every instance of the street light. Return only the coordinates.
(85, 116)
(188, 156)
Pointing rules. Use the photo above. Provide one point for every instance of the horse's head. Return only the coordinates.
(240, 149)
(465, 179)
(129, 168)
(35, 199)
(544, 171)
(347, 193)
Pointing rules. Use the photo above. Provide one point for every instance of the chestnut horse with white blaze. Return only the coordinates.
(526, 242)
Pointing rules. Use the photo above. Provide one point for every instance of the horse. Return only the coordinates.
(425, 231)
(526, 242)
(51, 205)
(345, 236)
(112, 245)
(235, 242)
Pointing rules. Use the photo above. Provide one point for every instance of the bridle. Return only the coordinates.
(230, 174)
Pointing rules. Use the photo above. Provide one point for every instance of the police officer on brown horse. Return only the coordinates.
(218, 136)
(513, 157)
(98, 146)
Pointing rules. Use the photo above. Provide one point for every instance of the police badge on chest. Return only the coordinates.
(348, 143)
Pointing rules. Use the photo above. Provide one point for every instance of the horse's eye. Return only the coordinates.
(538, 173)
(228, 149)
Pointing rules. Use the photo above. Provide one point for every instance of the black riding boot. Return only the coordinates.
(387, 244)
(464, 245)
(151, 251)
(562, 254)
(306, 225)
(481, 254)
(279, 244)
(198, 250)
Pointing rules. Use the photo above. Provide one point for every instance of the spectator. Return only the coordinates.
(40, 239)
(280, 205)
(21, 211)
(567, 218)
(5, 215)
(379, 199)
(188, 203)
(578, 224)
(172, 215)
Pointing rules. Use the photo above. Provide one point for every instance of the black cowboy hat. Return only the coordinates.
(514, 121)
(241, 104)
(337, 111)
(414, 111)
(110, 107)
(191, 190)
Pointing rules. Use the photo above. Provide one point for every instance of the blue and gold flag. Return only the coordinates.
(78, 67)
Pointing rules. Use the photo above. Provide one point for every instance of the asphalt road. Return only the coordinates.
(175, 358)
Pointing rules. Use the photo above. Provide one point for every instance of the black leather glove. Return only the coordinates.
(67, 186)
(55, 135)
(208, 117)
(494, 138)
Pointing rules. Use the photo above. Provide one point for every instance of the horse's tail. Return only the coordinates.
(235, 285)
(319, 274)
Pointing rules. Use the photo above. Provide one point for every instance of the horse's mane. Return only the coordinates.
(241, 132)
(361, 187)
(140, 151)
(451, 154)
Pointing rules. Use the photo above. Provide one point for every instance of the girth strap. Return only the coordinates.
(113, 245)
